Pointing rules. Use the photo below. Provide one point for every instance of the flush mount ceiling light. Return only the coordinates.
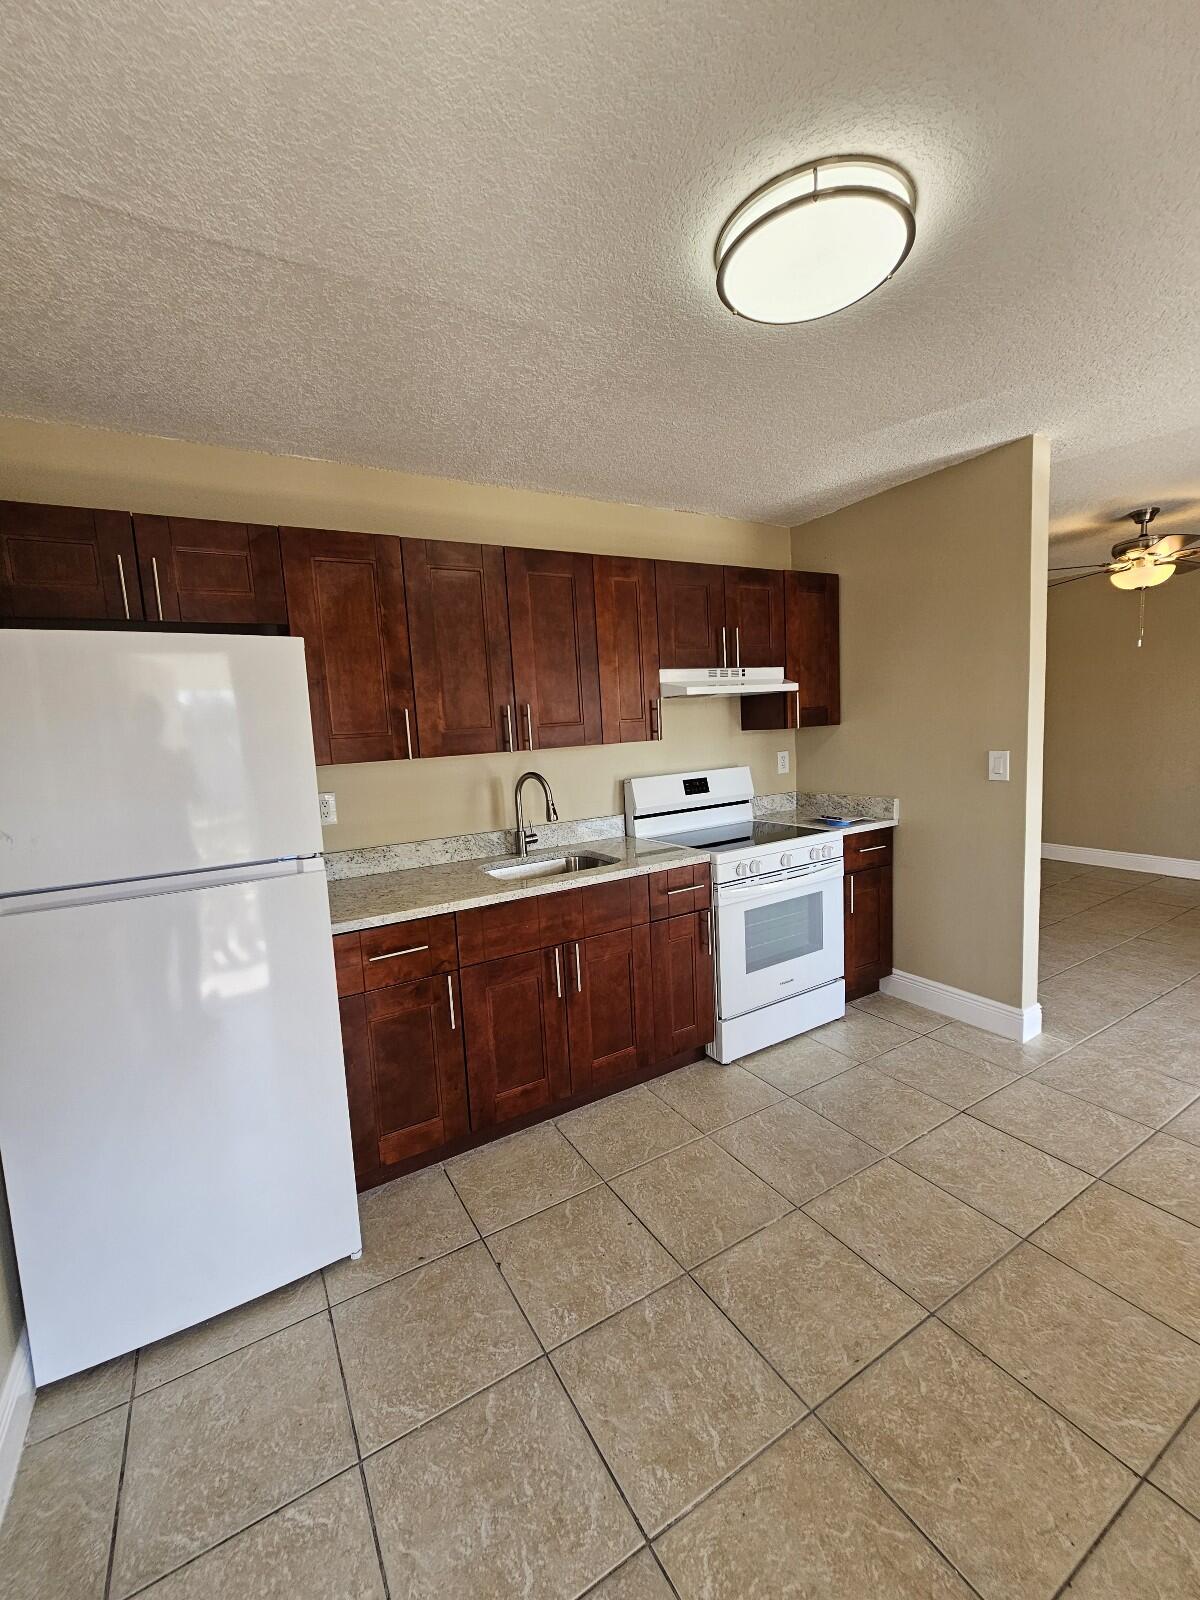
(816, 239)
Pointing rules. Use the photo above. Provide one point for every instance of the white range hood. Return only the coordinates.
(705, 682)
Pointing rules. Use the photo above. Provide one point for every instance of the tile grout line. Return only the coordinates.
(116, 1516)
(358, 1458)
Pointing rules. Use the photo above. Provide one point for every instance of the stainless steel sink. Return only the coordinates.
(552, 867)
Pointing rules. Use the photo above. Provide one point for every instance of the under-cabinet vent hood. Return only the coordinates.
(697, 682)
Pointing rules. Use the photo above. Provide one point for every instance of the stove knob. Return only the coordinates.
(815, 853)
(785, 859)
(756, 866)
(742, 869)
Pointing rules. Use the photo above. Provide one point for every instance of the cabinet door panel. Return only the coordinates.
(611, 1007)
(216, 572)
(867, 907)
(514, 1016)
(627, 637)
(556, 673)
(461, 654)
(754, 611)
(680, 889)
(512, 926)
(418, 1066)
(684, 983)
(811, 658)
(360, 1089)
(691, 614)
(67, 563)
(345, 598)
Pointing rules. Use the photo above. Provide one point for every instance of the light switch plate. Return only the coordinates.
(783, 761)
(328, 809)
(998, 766)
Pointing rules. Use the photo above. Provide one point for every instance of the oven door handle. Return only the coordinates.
(783, 887)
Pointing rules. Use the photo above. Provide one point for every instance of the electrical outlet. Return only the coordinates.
(998, 765)
(783, 761)
(328, 809)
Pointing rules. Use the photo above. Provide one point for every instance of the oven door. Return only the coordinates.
(777, 937)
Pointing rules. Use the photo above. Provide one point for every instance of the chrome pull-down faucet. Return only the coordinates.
(525, 834)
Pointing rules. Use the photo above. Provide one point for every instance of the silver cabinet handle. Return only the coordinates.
(408, 733)
(851, 894)
(508, 733)
(651, 709)
(124, 590)
(737, 647)
(658, 703)
(157, 590)
(797, 708)
(557, 974)
(388, 955)
(450, 996)
(865, 850)
(578, 973)
(692, 890)
(529, 724)
(710, 932)
(724, 651)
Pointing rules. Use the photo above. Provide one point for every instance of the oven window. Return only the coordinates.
(784, 931)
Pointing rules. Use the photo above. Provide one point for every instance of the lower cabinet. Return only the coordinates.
(683, 984)
(514, 1012)
(867, 911)
(610, 1008)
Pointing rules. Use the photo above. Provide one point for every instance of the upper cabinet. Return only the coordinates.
(811, 658)
(227, 573)
(556, 674)
(691, 615)
(461, 654)
(345, 599)
(754, 627)
(64, 563)
(627, 639)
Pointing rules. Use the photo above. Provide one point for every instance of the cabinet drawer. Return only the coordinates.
(872, 849)
(347, 963)
(608, 907)
(679, 890)
(486, 933)
(406, 951)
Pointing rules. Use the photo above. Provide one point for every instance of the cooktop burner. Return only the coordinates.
(738, 835)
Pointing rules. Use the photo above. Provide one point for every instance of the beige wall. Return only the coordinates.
(943, 633)
(1123, 724)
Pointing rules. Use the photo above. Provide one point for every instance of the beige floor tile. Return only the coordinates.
(915, 1234)
(404, 1224)
(699, 1200)
(580, 1261)
(900, 1012)
(1180, 936)
(794, 1150)
(1186, 1125)
(1068, 899)
(418, 1345)
(1179, 1470)
(1061, 946)
(817, 1311)
(1074, 1130)
(1120, 1375)
(625, 1130)
(803, 1520)
(1155, 1038)
(1183, 893)
(1014, 1058)
(1137, 1092)
(75, 1399)
(502, 1496)
(55, 1535)
(860, 1037)
(222, 1446)
(194, 1347)
(1111, 985)
(795, 1064)
(1009, 1490)
(884, 1111)
(317, 1547)
(505, 1182)
(938, 1069)
(1124, 916)
(674, 1397)
(1153, 1549)
(639, 1579)
(710, 1095)
(1076, 1014)
(1001, 1176)
(1133, 1249)
(1166, 1172)
(1118, 878)
(1061, 871)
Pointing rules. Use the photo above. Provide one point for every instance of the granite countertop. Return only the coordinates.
(381, 898)
(803, 820)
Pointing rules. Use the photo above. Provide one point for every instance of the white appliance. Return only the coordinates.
(777, 893)
(173, 1118)
(706, 682)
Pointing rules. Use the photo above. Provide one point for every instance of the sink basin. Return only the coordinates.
(554, 867)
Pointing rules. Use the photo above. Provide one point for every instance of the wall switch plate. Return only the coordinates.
(783, 761)
(998, 765)
(328, 809)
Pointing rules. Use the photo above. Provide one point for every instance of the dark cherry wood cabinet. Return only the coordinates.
(515, 1015)
(754, 617)
(461, 653)
(811, 658)
(867, 911)
(627, 643)
(691, 614)
(210, 572)
(684, 1017)
(66, 563)
(556, 673)
(610, 1008)
(678, 890)
(345, 599)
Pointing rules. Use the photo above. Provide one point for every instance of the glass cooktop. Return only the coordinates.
(740, 835)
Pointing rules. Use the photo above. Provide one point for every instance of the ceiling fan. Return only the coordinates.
(1144, 561)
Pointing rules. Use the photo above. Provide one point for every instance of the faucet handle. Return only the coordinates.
(531, 837)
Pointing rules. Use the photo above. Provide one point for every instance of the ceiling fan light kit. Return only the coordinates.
(816, 239)
(1143, 562)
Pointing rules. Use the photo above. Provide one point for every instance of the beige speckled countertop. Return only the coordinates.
(381, 898)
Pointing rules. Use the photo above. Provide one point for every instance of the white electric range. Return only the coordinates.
(777, 894)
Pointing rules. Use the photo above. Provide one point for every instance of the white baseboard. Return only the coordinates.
(1129, 860)
(1010, 1022)
(16, 1402)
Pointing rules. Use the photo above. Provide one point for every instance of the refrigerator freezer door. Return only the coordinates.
(173, 1120)
(128, 755)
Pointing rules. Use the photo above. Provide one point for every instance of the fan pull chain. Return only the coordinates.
(1141, 616)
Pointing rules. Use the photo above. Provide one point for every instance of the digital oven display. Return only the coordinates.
(695, 786)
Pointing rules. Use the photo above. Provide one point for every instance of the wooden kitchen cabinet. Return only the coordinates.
(345, 599)
(754, 616)
(610, 1008)
(627, 644)
(867, 911)
(210, 572)
(515, 1020)
(679, 889)
(684, 1016)
(457, 600)
(690, 598)
(556, 671)
(67, 563)
(811, 658)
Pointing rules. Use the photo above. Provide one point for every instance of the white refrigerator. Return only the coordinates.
(173, 1120)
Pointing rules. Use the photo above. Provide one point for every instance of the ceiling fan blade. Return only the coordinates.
(1083, 566)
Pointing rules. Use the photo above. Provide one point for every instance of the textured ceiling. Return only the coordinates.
(474, 240)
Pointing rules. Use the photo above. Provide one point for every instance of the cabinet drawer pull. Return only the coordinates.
(578, 974)
(124, 590)
(157, 590)
(390, 955)
(692, 890)
(865, 849)
(851, 894)
(450, 995)
(557, 974)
